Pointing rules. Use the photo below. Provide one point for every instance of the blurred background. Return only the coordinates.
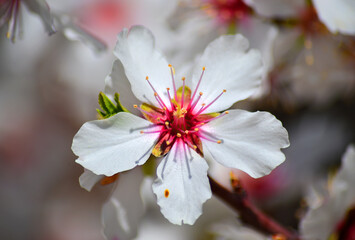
(49, 87)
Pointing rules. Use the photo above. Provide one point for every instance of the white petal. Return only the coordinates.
(230, 65)
(74, 32)
(251, 142)
(277, 8)
(121, 214)
(261, 35)
(117, 82)
(136, 50)
(321, 221)
(88, 179)
(115, 144)
(338, 16)
(184, 176)
(345, 179)
(41, 8)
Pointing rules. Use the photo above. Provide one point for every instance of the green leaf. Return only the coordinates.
(108, 108)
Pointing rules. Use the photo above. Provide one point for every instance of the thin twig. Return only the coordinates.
(248, 212)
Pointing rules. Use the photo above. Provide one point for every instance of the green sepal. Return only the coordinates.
(101, 114)
(108, 108)
(119, 106)
(148, 167)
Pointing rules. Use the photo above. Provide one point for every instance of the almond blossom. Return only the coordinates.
(10, 13)
(331, 215)
(180, 121)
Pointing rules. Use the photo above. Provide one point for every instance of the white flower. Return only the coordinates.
(10, 13)
(338, 16)
(122, 212)
(277, 8)
(210, 19)
(324, 216)
(180, 122)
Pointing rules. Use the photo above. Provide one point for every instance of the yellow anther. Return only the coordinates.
(226, 112)
(183, 78)
(166, 193)
(167, 123)
(203, 68)
(135, 106)
(201, 93)
(224, 90)
(164, 108)
(141, 132)
(183, 111)
(170, 65)
(203, 104)
(158, 119)
(219, 141)
(168, 89)
(196, 129)
(195, 147)
(178, 135)
(167, 143)
(155, 94)
(146, 78)
(187, 131)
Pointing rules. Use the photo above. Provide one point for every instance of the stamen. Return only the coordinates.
(211, 119)
(172, 77)
(199, 111)
(171, 103)
(160, 101)
(198, 84)
(143, 111)
(183, 92)
(178, 135)
(195, 103)
(157, 131)
(203, 109)
(209, 138)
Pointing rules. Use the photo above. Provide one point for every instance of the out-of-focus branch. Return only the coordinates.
(248, 212)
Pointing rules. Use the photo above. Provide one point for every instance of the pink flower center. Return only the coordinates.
(227, 11)
(180, 119)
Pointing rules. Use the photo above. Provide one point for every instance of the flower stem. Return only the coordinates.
(248, 212)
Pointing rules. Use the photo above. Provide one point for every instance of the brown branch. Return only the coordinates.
(248, 212)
